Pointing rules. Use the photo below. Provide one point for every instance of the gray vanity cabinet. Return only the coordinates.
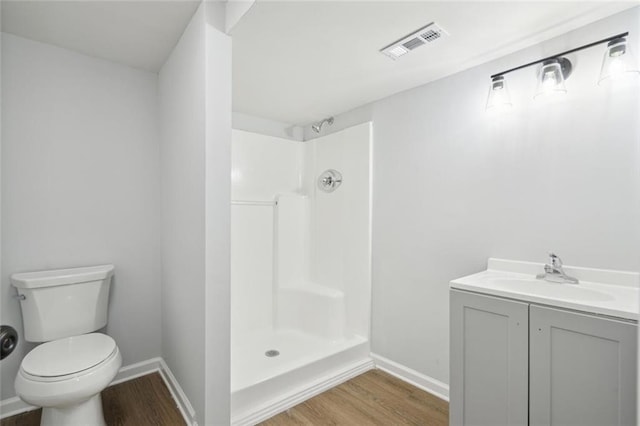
(582, 369)
(515, 363)
(489, 360)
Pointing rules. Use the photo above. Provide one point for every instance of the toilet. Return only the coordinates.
(65, 374)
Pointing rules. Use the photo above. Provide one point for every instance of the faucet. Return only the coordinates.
(553, 272)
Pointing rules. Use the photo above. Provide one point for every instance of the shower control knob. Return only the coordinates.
(8, 340)
(330, 180)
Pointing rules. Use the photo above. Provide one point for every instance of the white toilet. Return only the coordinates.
(66, 374)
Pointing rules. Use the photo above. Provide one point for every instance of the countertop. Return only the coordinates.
(600, 291)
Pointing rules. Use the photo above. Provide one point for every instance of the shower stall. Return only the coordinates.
(300, 267)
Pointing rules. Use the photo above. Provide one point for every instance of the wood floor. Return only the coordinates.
(138, 402)
(373, 398)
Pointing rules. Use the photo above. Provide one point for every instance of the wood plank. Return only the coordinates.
(373, 398)
(142, 401)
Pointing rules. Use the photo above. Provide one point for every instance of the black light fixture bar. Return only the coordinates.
(586, 46)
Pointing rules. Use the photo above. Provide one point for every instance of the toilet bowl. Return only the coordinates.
(65, 378)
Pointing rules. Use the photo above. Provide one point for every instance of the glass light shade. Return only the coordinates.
(618, 62)
(499, 99)
(550, 79)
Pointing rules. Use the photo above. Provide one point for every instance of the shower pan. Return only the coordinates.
(301, 262)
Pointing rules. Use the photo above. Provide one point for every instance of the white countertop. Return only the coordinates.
(617, 296)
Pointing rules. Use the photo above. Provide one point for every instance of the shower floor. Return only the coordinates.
(260, 382)
(250, 365)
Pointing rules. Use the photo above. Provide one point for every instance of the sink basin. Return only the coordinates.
(601, 292)
(548, 289)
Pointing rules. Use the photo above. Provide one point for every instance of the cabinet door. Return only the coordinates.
(489, 350)
(583, 369)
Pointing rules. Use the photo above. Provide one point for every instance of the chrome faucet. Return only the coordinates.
(553, 272)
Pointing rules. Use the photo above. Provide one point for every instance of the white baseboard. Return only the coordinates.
(178, 394)
(13, 406)
(426, 383)
(303, 394)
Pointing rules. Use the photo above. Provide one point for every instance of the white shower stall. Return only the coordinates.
(300, 267)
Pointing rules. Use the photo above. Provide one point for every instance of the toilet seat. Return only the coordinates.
(66, 358)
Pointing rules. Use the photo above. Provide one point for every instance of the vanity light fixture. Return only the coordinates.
(555, 69)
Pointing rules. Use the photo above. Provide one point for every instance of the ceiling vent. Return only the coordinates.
(425, 35)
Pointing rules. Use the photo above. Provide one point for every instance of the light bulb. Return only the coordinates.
(551, 77)
(549, 80)
(616, 68)
(499, 99)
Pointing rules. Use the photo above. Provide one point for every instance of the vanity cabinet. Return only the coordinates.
(517, 363)
(582, 369)
(489, 360)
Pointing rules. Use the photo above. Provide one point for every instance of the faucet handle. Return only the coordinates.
(556, 262)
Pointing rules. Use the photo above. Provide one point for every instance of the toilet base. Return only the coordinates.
(85, 413)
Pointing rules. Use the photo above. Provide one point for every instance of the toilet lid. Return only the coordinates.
(69, 355)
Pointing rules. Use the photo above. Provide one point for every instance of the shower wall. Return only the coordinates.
(300, 257)
(262, 167)
(341, 224)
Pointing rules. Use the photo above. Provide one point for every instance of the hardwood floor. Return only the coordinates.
(373, 398)
(138, 402)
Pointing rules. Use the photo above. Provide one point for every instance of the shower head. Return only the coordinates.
(318, 126)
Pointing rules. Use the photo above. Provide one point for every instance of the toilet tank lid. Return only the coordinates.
(61, 276)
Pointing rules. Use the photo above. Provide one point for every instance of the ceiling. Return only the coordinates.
(140, 34)
(298, 62)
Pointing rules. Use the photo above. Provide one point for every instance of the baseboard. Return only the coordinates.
(178, 394)
(13, 406)
(158, 364)
(302, 394)
(426, 383)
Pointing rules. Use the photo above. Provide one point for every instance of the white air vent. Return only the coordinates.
(425, 35)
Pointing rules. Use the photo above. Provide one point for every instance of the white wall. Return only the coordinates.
(454, 185)
(80, 184)
(195, 108)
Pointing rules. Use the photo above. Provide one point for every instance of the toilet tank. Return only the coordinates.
(63, 302)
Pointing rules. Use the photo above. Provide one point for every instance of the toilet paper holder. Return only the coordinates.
(8, 340)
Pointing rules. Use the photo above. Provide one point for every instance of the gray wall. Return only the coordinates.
(80, 184)
(454, 185)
